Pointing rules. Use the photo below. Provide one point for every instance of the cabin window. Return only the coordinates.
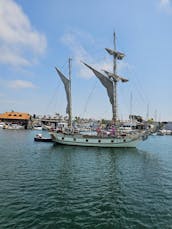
(62, 138)
(112, 141)
(99, 140)
(124, 140)
(86, 140)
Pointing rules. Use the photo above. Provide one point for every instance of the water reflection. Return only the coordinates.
(82, 187)
(121, 182)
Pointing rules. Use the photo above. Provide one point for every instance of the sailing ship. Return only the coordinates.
(111, 138)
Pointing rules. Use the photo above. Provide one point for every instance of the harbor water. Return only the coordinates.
(51, 186)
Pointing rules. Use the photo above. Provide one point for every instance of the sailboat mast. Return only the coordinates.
(70, 98)
(114, 107)
(131, 106)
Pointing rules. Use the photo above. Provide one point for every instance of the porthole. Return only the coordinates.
(86, 140)
(74, 139)
(99, 140)
(62, 138)
(124, 140)
(112, 141)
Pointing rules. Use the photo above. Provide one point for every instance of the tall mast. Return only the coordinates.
(114, 77)
(70, 97)
(114, 107)
(131, 106)
(110, 81)
(147, 114)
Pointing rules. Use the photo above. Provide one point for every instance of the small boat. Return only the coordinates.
(164, 132)
(2, 124)
(40, 138)
(37, 127)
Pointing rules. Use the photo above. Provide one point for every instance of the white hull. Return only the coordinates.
(37, 128)
(2, 124)
(81, 140)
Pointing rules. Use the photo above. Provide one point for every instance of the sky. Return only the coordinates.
(38, 35)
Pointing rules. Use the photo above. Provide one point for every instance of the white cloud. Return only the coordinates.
(19, 41)
(17, 84)
(166, 5)
(78, 52)
(12, 56)
(164, 2)
(73, 41)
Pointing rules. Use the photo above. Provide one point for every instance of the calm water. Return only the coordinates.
(46, 186)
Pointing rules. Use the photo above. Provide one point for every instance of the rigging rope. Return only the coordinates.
(55, 92)
(88, 98)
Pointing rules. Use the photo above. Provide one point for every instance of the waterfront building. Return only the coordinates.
(16, 118)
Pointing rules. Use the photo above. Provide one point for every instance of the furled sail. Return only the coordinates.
(118, 55)
(115, 76)
(66, 83)
(107, 83)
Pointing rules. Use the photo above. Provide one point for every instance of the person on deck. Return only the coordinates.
(98, 130)
(113, 131)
